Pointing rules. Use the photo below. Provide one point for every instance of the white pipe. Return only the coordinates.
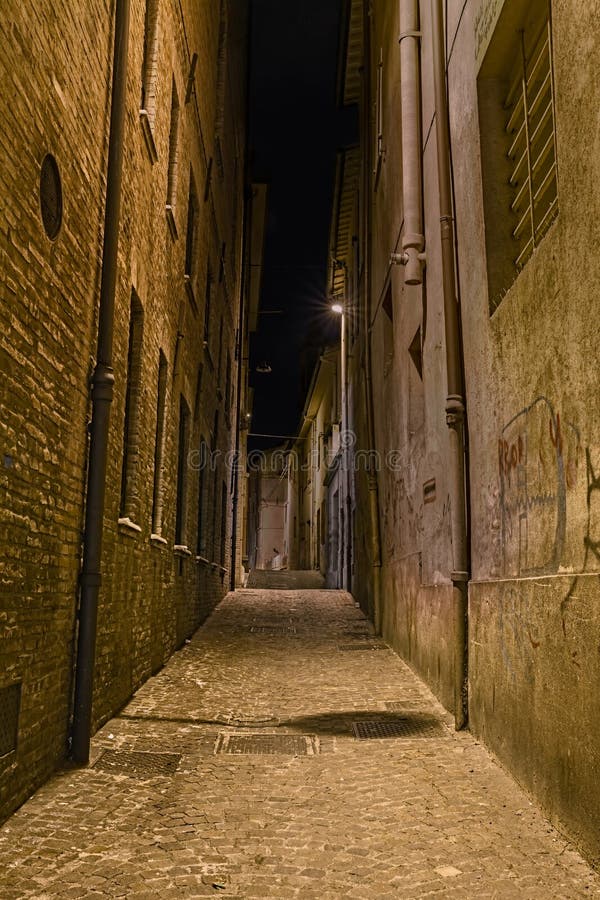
(413, 239)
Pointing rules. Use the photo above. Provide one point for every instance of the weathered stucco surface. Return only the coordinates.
(534, 415)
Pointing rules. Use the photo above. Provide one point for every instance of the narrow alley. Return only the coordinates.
(285, 751)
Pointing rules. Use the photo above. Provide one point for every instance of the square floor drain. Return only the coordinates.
(138, 763)
(268, 744)
(404, 727)
(273, 629)
(363, 645)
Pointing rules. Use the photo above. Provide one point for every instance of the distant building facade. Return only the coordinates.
(315, 517)
(497, 582)
(167, 523)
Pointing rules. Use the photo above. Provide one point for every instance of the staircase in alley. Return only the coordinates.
(285, 580)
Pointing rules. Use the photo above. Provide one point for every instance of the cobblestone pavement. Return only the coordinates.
(173, 805)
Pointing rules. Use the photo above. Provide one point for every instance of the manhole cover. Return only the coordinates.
(407, 727)
(268, 744)
(273, 629)
(138, 763)
(363, 646)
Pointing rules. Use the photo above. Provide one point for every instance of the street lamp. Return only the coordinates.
(340, 308)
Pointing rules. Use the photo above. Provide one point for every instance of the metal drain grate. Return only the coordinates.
(273, 629)
(363, 646)
(406, 727)
(268, 744)
(138, 763)
(10, 702)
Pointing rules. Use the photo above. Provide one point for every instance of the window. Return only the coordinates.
(378, 155)
(192, 231)
(172, 171)
(220, 357)
(182, 474)
(416, 390)
(228, 390)
(388, 330)
(221, 86)
(207, 305)
(215, 495)
(159, 446)
(215, 432)
(131, 427)
(223, 523)
(201, 518)
(198, 394)
(518, 143)
(150, 74)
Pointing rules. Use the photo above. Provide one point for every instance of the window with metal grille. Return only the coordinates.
(518, 141)
(532, 144)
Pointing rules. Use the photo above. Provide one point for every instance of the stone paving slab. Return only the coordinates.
(405, 817)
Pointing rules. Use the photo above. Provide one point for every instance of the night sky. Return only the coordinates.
(295, 131)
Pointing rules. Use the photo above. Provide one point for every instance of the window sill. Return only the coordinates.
(170, 213)
(203, 560)
(187, 280)
(182, 550)
(148, 136)
(158, 541)
(127, 527)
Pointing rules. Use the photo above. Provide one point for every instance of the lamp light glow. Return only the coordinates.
(337, 308)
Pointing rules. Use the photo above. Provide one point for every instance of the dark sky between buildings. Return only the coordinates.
(295, 130)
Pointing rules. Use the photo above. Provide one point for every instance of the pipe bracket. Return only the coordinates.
(461, 577)
(410, 33)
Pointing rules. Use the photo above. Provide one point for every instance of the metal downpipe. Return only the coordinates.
(413, 239)
(455, 402)
(373, 486)
(102, 394)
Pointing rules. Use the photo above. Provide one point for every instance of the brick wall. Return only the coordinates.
(56, 99)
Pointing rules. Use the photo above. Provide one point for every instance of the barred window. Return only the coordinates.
(518, 141)
(531, 139)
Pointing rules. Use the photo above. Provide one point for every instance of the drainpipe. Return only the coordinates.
(373, 486)
(413, 239)
(102, 394)
(455, 402)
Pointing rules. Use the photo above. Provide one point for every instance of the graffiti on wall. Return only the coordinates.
(538, 457)
(591, 539)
